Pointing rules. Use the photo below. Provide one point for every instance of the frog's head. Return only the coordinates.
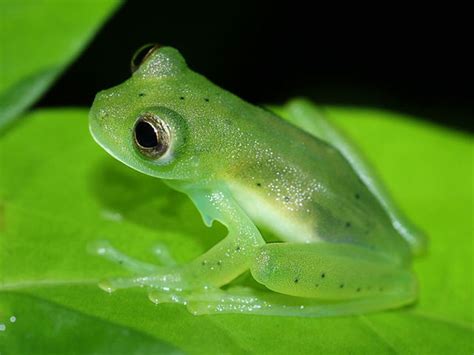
(149, 121)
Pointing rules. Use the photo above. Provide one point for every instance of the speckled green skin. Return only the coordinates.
(244, 166)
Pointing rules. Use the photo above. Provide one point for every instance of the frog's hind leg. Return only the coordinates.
(310, 118)
(308, 280)
(339, 278)
(250, 301)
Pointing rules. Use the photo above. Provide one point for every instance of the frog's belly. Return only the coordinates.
(290, 226)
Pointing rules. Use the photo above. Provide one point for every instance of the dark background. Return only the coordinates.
(396, 59)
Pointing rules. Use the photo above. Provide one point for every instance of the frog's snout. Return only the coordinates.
(98, 117)
(98, 111)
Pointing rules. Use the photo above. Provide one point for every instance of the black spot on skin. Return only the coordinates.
(206, 99)
(219, 263)
(323, 275)
(357, 196)
(181, 98)
(317, 285)
(204, 262)
(259, 184)
(348, 224)
(120, 262)
(141, 94)
(286, 198)
(237, 248)
(296, 280)
(358, 289)
(341, 286)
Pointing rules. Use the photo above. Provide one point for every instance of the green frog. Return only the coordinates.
(344, 247)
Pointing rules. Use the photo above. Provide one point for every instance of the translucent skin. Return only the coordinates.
(244, 166)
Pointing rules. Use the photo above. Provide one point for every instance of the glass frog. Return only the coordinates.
(344, 247)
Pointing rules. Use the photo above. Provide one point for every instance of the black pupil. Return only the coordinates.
(146, 135)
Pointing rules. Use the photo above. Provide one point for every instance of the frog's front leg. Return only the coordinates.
(218, 266)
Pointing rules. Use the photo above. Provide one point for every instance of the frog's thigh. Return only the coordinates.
(310, 118)
(332, 272)
(307, 116)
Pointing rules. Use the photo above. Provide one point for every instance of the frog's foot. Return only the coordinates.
(213, 300)
(163, 255)
(152, 275)
(105, 249)
(246, 300)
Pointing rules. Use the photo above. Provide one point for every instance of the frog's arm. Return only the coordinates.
(233, 255)
(311, 119)
(217, 267)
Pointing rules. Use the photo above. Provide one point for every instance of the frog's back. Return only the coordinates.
(304, 190)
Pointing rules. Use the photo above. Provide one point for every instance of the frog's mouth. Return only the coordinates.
(99, 141)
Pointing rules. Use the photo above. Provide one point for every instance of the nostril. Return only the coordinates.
(103, 114)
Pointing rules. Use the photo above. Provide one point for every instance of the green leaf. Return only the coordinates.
(64, 331)
(39, 38)
(59, 191)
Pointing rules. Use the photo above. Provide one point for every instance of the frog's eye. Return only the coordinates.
(152, 136)
(142, 54)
